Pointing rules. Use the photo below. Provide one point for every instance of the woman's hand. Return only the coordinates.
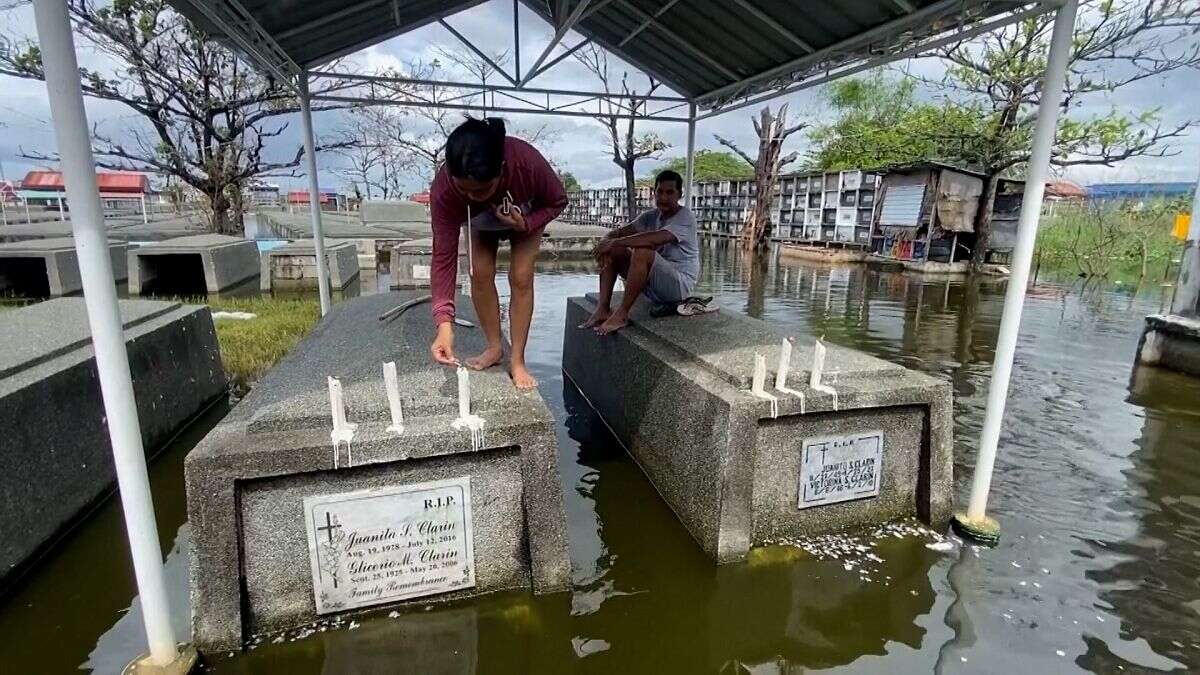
(443, 345)
(514, 219)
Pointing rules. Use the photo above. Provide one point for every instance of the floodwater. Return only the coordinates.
(1097, 487)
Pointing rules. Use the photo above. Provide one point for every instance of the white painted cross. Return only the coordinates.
(818, 369)
(759, 382)
(781, 372)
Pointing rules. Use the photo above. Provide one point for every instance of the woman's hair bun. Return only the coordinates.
(475, 149)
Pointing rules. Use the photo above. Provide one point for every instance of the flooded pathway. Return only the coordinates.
(1097, 488)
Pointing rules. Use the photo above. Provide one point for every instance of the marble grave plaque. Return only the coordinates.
(840, 468)
(376, 546)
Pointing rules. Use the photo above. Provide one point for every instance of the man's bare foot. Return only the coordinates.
(598, 317)
(521, 377)
(613, 324)
(490, 357)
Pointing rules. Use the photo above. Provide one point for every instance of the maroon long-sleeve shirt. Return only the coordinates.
(533, 184)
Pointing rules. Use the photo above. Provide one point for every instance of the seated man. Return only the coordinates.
(657, 255)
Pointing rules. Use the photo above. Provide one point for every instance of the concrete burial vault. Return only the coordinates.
(419, 500)
(48, 267)
(294, 265)
(870, 443)
(203, 263)
(56, 459)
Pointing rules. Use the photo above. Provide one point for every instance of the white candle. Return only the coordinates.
(818, 365)
(760, 374)
(785, 362)
(464, 393)
(392, 383)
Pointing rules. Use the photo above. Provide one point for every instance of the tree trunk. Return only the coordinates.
(221, 219)
(983, 220)
(630, 194)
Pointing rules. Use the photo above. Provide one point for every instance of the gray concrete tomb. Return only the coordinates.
(286, 528)
(872, 443)
(49, 267)
(293, 266)
(195, 265)
(55, 458)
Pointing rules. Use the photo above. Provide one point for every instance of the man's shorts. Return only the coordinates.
(666, 285)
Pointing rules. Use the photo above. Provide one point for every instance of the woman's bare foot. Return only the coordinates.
(598, 317)
(521, 377)
(614, 323)
(490, 357)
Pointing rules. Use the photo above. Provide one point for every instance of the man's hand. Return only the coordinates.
(442, 348)
(514, 219)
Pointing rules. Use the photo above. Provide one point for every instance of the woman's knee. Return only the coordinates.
(483, 271)
(520, 279)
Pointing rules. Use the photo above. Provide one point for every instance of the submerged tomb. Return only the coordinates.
(748, 459)
(341, 483)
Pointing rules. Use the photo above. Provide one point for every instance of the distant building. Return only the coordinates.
(264, 194)
(420, 198)
(330, 200)
(118, 189)
(1065, 191)
(1139, 192)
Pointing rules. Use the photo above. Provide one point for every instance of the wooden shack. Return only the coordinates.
(926, 213)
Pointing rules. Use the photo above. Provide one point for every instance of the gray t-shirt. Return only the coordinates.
(684, 253)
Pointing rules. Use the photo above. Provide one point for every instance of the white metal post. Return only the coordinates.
(62, 216)
(71, 131)
(691, 155)
(1014, 300)
(314, 196)
(145, 218)
(1187, 291)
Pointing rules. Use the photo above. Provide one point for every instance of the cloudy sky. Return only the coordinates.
(579, 146)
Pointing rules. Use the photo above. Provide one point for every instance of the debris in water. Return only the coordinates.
(941, 546)
(1015, 564)
(1060, 652)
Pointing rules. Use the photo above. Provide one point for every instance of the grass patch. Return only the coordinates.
(250, 347)
(1118, 242)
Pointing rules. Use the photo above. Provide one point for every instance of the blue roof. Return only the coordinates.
(1134, 190)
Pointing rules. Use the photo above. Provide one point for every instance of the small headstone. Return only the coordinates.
(840, 468)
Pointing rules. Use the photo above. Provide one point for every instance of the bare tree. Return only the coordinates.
(207, 118)
(373, 159)
(773, 131)
(626, 145)
(424, 140)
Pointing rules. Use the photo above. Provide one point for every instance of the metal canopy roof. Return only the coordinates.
(718, 53)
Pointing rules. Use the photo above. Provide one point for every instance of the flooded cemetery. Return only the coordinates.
(340, 338)
(1096, 489)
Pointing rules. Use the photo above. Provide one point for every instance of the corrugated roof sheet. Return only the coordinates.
(127, 182)
(703, 49)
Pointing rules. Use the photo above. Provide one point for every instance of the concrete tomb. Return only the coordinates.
(294, 266)
(48, 267)
(376, 211)
(204, 263)
(358, 474)
(412, 263)
(56, 460)
(1171, 341)
(746, 458)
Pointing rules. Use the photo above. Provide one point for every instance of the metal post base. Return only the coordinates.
(182, 665)
(984, 530)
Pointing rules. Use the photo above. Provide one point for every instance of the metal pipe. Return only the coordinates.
(72, 134)
(1031, 207)
(496, 109)
(314, 193)
(1187, 291)
(383, 79)
(691, 155)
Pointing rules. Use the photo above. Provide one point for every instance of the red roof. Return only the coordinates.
(420, 198)
(301, 197)
(126, 182)
(1065, 189)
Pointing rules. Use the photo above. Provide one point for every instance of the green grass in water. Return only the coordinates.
(250, 347)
